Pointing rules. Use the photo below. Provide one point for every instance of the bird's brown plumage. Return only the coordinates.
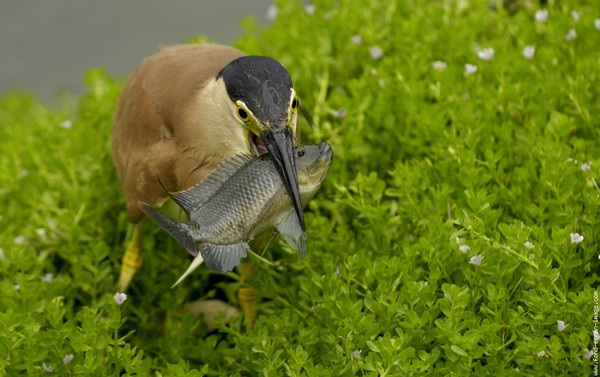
(157, 133)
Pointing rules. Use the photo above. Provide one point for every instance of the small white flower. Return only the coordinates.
(457, 239)
(464, 249)
(587, 354)
(517, 370)
(66, 124)
(47, 278)
(120, 298)
(528, 245)
(17, 287)
(541, 354)
(561, 325)
(596, 336)
(476, 260)
(356, 39)
(470, 69)
(41, 232)
(576, 238)
(541, 15)
(529, 52)
(486, 53)
(310, 8)
(68, 358)
(341, 113)
(356, 354)
(439, 65)
(52, 225)
(2, 255)
(586, 166)
(272, 12)
(571, 35)
(575, 15)
(47, 368)
(20, 240)
(376, 52)
(597, 24)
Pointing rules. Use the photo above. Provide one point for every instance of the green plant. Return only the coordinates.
(446, 240)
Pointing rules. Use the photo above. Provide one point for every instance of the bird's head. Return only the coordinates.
(265, 106)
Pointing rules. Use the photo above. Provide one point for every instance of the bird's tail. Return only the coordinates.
(178, 230)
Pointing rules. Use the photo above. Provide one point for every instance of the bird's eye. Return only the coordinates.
(295, 103)
(243, 114)
(300, 152)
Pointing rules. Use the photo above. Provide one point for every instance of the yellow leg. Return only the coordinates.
(132, 259)
(247, 295)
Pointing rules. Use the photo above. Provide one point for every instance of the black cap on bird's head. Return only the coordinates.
(263, 92)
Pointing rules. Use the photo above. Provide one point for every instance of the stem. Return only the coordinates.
(509, 250)
(503, 247)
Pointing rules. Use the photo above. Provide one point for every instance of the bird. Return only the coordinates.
(188, 108)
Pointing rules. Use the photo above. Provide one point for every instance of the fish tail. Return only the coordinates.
(176, 229)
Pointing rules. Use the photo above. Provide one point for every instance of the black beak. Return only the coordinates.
(279, 143)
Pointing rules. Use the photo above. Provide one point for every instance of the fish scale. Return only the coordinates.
(242, 198)
(221, 220)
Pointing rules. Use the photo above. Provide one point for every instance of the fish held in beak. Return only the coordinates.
(279, 143)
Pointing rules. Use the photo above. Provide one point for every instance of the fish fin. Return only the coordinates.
(196, 262)
(196, 196)
(223, 258)
(291, 231)
(174, 228)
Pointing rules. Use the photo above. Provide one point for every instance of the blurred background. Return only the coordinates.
(46, 46)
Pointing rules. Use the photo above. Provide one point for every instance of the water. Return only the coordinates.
(46, 46)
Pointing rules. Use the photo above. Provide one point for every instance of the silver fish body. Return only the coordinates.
(244, 197)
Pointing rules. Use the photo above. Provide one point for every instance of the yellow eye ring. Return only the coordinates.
(295, 104)
(243, 114)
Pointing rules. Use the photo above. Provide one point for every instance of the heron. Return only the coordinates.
(186, 109)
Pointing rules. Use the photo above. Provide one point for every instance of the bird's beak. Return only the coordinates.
(279, 143)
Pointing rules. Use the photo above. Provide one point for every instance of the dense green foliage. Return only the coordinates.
(433, 167)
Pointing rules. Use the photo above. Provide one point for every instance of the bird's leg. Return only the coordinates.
(247, 295)
(132, 259)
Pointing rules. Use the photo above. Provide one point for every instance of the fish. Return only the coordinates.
(244, 197)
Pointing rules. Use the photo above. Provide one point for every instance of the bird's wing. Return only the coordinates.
(152, 114)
